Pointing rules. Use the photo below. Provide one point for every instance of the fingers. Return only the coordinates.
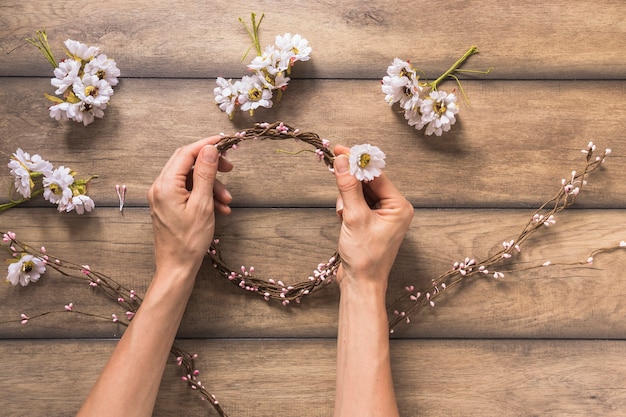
(204, 177)
(350, 189)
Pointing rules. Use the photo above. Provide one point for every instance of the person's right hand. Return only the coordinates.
(375, 218)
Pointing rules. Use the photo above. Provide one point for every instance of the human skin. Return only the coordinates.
(183, 201)
(375, 218)
(183, 222)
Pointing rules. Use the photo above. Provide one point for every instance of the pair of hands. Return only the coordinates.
(186, 195)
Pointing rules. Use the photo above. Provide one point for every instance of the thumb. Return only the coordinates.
(350, 189)
(204, 173)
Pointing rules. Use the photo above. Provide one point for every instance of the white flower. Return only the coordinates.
(394, 88)
(400, 68)
(226, 94)
(80, 50)
(366, 161)
(86, 113)
(104, 68)
(438, 111)
(22, 165)
(253, 94)
(92, 90)
(81, 203)
(66, 73)
(28, 269)
(57, 186)
(296, 47)
(269, 60)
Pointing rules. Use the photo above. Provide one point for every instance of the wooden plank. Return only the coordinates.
(274, 377)
(512, 157)
(561, 301)
(534, 39)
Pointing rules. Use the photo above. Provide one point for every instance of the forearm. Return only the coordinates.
(364, 381)
(129, 383)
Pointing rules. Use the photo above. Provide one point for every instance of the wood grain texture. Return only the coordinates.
(515, 156)
(541, 341)
(564, 301)
(196, 39)
(433, 377)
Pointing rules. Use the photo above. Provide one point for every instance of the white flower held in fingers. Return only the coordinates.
(366, 161)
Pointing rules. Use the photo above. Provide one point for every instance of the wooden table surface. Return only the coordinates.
(539, 342)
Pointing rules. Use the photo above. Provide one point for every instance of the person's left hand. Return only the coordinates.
(183, 200)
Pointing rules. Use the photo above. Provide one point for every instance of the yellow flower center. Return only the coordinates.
(56, 189)
(295, 50)
(28, 266)
(101, 74)
(364, 160)
(90, 90)
(255, 94)
(440, 108)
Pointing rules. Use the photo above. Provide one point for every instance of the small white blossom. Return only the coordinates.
(57, 186)
(253, 94)
(81, 203)
(28, 269)
(296, 47)
(438, 110)
(22, 165)
(80, 50)
(93, 91)
(366, 161)
(226, 94)
(104, 68)
(66, 73)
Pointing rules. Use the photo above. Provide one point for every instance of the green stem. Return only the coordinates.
(14, 203)
(41, 42)
(253, 33)
(473, 50)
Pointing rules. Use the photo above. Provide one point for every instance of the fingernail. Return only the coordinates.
(341, 164)
(209, 154)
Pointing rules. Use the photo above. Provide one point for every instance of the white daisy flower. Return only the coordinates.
(92, 90)
(22, 167)
(253, 94)
(269, 60)
(28, 269)
(66, 73)
(226, 94)
(366, 161)
(81, 203)
(297, 47)
(438, 111)
(394, 88)
(400, 68)
(104, 69)
(86, 113)
(80, 50)
(57, 186)
(413, 93)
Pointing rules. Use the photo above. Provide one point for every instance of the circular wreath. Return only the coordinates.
(244, 278)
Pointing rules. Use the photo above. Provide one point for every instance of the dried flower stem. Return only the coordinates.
(121, 295)
(402, 308)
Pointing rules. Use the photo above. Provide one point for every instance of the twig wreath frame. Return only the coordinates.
(271, 288)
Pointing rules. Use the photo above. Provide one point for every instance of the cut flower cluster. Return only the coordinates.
(84, 81)
(58, 186)
(270, 74)
(424, 105)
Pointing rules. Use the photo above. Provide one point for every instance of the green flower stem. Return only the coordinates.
(14, 203)
(254, 34)
(473, 50)
(41, 42)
